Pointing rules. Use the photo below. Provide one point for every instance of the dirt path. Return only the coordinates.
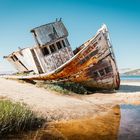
(56, 106)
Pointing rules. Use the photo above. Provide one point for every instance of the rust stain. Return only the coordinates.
(92, 65)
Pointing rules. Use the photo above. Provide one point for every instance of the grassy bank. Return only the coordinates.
(16, 117)
(64, 87)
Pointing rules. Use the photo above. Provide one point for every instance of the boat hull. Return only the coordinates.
(94, 66)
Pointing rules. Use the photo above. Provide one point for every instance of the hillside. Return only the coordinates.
(133, 72)
(130, 71)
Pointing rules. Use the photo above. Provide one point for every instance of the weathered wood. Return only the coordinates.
(48, 55)
(93, 65)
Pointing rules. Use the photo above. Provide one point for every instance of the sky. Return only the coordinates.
(82, 18)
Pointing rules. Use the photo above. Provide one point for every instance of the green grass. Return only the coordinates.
(64, 87)
(16, 117)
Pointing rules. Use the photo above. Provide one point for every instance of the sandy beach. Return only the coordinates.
(55, 106)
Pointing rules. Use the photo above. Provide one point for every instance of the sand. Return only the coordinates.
(55, 106)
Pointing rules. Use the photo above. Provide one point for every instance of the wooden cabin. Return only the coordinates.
(22, 60)
(51, 51)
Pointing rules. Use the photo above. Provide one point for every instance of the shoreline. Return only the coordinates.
(55, 106)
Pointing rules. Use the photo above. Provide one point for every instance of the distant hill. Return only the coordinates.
(124, 70)
(130, 71)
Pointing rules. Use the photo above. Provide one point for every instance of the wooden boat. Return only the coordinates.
(93, 65)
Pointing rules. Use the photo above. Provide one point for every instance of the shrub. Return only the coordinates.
(64, 87)
(16, 117)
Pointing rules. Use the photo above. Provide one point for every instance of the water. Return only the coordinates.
(120, 123)
(130, 123)
(131, 78)
(101, 127)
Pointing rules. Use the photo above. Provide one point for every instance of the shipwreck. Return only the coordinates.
(92, 64)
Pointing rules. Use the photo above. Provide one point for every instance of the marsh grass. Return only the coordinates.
(16, 118)
(64, 87)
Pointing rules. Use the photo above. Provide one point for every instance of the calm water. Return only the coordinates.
(130, 123)
(120, 123)
(133, 78)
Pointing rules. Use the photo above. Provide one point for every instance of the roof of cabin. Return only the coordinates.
(51, 23)
(50, 32)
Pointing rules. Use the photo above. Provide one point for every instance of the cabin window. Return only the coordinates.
(101, 72)
(14, 58)
(96, 74)
(52, 48)
(59, 46)
(45, 51)
(63, 43)
(108, 69)
(95, 44)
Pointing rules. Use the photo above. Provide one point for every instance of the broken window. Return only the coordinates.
(52, 48)
(59, 46)
(101, 72)
(14, 58)
(45, 51)
(108, 69)
(63, 43)
(96, 74)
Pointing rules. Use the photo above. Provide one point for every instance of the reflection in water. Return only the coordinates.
(101, 127)
(130, 123)
(120, 123)
(104, 127)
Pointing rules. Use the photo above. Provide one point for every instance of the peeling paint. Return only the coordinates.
(92, 64)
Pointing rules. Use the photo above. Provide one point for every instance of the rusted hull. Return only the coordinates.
(93, 66)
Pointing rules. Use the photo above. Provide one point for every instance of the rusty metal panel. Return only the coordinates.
(50, 32)
(93, 66)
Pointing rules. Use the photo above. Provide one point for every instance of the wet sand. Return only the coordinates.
(101, 127)
(55, 106)
(105, 126)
